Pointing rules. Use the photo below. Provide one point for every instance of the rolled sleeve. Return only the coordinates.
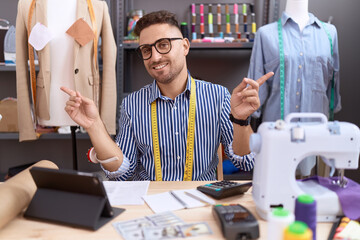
(245, 163)
(120, 173)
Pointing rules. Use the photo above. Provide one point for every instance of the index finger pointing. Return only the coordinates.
(262, 79)
(68, 91)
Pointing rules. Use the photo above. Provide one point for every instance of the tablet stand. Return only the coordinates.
(70, 208)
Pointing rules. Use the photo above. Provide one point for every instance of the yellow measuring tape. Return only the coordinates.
(190, 137)
(93, 22)
(32, 58)
(31, 49)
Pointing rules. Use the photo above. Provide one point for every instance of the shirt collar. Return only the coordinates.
(312, 19)
(155, 91)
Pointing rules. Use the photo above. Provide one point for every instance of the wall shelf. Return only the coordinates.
(56, 136)
(207, 46)
(4, 68)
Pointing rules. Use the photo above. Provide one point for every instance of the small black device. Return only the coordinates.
(70, 197)
(237, 222)
(223, 189)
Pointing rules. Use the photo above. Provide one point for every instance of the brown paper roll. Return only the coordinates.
(17, 192)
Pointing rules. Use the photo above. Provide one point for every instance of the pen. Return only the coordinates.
(197, 198)
(178, 199)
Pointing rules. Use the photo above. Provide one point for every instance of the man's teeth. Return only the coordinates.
(160, 66)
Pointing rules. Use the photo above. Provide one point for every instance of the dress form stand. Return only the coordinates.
(298, 11)
(60, 16)
(74, 149)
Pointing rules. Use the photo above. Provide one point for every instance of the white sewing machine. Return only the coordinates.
(281, 145)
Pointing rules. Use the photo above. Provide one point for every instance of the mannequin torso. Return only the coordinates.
(60, 16)
(298, 11)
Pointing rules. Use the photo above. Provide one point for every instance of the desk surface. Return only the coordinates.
(21, 228)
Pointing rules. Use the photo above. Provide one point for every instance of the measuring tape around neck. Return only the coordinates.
(282, 72)
(190, 137)
(331, 106)
(282, 69)
(31, 49)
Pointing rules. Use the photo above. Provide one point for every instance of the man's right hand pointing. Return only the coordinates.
(81, 109)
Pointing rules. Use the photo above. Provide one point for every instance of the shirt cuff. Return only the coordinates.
(245, 162)
(124, 167)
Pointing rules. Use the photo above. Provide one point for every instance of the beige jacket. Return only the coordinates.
(87, 79)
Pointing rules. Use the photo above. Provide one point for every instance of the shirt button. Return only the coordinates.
(301, 54)
(300, 66)
(297, 106)
(76, 71)
(298, 80)
(178, 157)
(297, 93)
(176, 133)
(175, 108)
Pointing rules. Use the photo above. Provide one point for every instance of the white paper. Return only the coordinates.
(40, 35)
(126, 193)
(163, 202)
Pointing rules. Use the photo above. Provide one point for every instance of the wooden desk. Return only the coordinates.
(21, 228)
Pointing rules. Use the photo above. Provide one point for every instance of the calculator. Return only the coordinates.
(223, 189)
(236, 221)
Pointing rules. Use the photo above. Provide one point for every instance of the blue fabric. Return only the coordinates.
(229, 168)
(212, 126)
(309, 66)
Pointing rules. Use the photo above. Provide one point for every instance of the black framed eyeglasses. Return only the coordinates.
(162, 46)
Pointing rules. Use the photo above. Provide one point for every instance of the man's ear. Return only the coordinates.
(186, 44)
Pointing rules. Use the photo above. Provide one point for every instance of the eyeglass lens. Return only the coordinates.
(162, 46)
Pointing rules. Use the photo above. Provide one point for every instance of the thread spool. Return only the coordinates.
(279, 219)
(305, 211)
(184, 30)
(297, 231)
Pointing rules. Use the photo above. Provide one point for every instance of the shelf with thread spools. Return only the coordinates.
(219, 21)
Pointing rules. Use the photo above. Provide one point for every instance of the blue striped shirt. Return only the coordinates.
(212, 126)
(309, 68)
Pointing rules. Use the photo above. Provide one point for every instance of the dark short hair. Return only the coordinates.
(158, 17)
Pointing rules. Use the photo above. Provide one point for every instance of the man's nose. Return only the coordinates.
(155, 54)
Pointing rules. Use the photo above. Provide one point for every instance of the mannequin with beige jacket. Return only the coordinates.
(63, 61)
